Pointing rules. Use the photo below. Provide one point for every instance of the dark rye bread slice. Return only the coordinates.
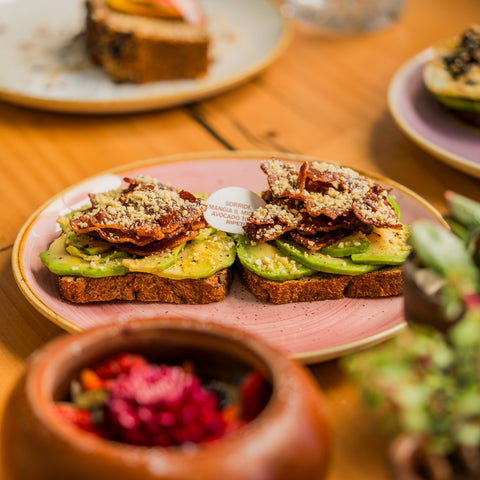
(146, 287)
(144, 49)
(324, 286)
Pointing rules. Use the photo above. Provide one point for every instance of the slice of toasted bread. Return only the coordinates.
(324, 286)
(146, 287)
(142, 49)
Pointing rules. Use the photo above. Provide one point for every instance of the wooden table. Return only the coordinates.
(324, 97)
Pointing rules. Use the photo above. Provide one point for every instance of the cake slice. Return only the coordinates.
(140, 49)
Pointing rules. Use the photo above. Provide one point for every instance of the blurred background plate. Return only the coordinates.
(45, 65)
(309, 331)
(428, 123)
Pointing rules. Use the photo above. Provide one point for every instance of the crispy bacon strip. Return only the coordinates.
(316, 242)
(145, 212)
(327, 197)
(331, 190)
(264, 233)
(313, 175)
(273, 220)
(375, 209)
(323, 223)
(160, 246)
(282, 210)
(282, 178)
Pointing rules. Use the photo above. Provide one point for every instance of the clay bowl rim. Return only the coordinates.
(42, 380)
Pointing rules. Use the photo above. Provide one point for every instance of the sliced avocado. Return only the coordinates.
(154, 263)
(354, 243)
(265, 260)
(60, 262)
(322, 263)
(86, 244)
(388, 246)
(203, 259)
(459, 103)
(76, 252)
(201, 195)
(64, 220)
(395, 206)
(64, 223)
(204, 233)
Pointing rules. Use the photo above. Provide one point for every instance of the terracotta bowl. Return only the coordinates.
(289, 439)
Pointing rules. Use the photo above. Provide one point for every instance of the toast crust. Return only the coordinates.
(146, 287)
(142, 49)
(324, 286)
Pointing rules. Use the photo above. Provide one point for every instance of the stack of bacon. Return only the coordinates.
(165, 219)
(318, 204)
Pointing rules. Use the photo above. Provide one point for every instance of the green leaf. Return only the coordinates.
(468, 402)
(467, 332)
(469, 434)
(457, 228)
(464, 210)
(442, 251)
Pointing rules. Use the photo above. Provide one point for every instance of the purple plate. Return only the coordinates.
(428, 123)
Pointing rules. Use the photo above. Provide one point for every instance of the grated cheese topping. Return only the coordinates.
(271, 212)
(282, 177)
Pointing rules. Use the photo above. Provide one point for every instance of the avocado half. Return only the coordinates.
(453, 74)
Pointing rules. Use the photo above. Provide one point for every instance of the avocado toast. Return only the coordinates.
(145, 242)
(326, 232)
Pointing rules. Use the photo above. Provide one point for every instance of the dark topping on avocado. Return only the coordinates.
(466, 55)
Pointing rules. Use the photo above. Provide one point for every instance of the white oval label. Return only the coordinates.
(229, 208)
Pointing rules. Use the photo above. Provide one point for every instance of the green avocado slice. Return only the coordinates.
(60, 262)
(388, 246)
(85, 244)
(267, 261)
(203, 259)
(356, 242)
(154, 263)
(323, 263)
(459, 103)
(204, 233)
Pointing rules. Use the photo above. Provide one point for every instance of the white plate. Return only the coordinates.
(428, 123)
(44, 63)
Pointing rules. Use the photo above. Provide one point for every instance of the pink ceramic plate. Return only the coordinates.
(429, 124)
(312, 332)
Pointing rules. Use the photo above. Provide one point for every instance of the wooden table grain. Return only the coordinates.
(325, 96)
